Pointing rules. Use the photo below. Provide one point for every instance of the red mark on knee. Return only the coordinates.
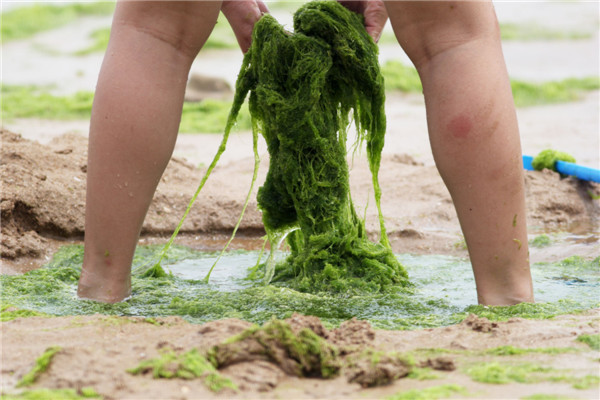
(460, 126)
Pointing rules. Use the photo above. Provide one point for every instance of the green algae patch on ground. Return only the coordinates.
(540, 241)
(547, 159)
(592, 340)
(503, 373)
(399, 76)
(299, 353)
(222, 37)
(528, 94)
(189, 365)
(526, 32)
(436, 298)
(99, 39)
(54, 394)
(208, 116)
(301, 346)
(516, 351)
(9, 312)
(303, 88)
(41, 365)
(23, 22)
(542, 396)
(430, 393)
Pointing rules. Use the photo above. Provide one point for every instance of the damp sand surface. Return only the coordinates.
(44, 169)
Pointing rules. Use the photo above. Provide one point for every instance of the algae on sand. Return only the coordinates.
(436, 298)
(303, 87)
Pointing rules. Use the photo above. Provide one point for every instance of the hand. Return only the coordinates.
(242, 15)
(374, 12)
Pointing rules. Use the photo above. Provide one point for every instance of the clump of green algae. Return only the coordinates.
(301, 353)
(303, 87)
(296, 348)
(502, 373)
(542, 240)
(9, 312)
(41, 365)
(592, 340)
(547, 159)
(188, 365)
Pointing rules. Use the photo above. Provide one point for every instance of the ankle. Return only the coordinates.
(505, 298)
(103, 288)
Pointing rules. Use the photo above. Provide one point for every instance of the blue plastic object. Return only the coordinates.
(579, 171)
(567, 168)
(527, 160)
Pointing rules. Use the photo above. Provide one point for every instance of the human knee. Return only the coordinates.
(182, 25)
(426, 29)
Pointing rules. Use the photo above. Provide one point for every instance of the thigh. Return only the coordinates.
(427, 28)
(183, 25)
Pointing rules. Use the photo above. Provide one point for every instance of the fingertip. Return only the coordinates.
(262, 7)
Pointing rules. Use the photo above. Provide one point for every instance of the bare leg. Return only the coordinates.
(474, 135)
(135, 120)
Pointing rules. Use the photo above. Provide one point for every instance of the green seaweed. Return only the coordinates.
(528, 94)
(23, 22)
(302, 88)
(592, 340)
(501, 373)
(41, 365)
(308, 353)
(532, 31)
(513, 351)
(9, 312)
(543, 396)
(38, 102)
(547, 159)
(540, 241)
(399, 76)
(404, 78)
(498, 373)
(189, 365)
(522, 310)
(54, 394)
(422, 374)
(430, 393)
(99, 39)
(207, 116)
(51, 290)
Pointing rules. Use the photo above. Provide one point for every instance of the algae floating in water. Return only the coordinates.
(436, 297)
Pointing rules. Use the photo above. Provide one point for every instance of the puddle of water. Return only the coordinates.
(443, 292)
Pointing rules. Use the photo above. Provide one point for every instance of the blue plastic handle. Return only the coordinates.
(581, 172)
(567, 168)
(527, 160)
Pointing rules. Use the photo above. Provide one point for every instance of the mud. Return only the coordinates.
(38, 180)
(97, 350)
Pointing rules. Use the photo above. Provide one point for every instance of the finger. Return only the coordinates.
(262, 6)
(353, 5)
(242, 15)
(375, 18)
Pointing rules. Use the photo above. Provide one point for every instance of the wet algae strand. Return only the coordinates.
(304, 87)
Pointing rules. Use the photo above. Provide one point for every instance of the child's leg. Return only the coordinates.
(135, 120)
(474, 135)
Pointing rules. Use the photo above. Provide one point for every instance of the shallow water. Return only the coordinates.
(443, 292)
